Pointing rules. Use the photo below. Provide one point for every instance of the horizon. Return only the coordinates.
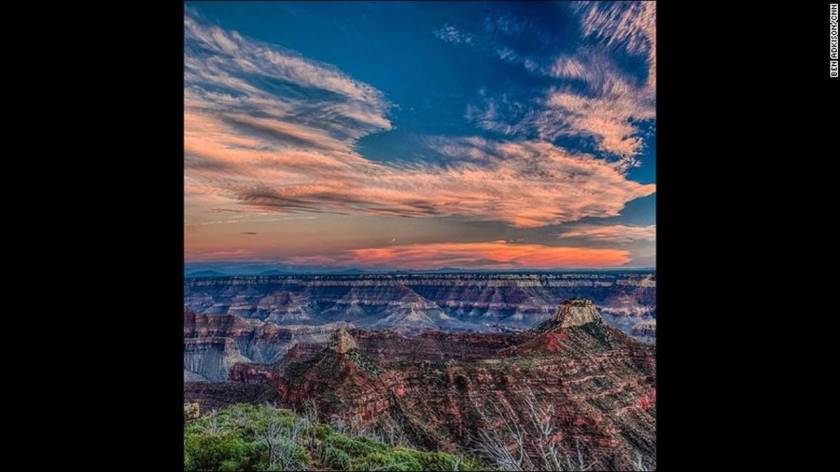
(260, 270)
(409, 137)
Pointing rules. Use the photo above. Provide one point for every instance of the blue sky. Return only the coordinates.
(307, 119)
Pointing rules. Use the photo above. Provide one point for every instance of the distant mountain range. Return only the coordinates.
(205, 273)
(227, 269)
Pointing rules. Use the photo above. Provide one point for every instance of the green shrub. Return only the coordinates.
(294, 457)
(398, 460)
(321, 431)
(438, 461)
(408, 459)
(473, 464)
(221, 452)
(234, 439)
(354, 446)
(230, 465)
(334, 459)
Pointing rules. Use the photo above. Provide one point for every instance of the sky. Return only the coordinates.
(418, 136)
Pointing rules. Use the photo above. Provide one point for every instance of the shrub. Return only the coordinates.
(260, 437)
(438, 461)
(398, 460)
(334, 458)
(322, 431)
(402, 459)
(354, 446)
(221, 452)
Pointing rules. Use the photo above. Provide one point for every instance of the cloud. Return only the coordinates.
(591, 97)
(269, 131)
(249, 232)
(609, 108)
(218, 255)
(451, 34)
(630, 25)
(613, 233)
(526, 184)
(506, 23)
(273, 97)
(616, 103)
(490, 255)
(610, 112)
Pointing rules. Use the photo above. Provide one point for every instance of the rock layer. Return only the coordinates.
(410, 303)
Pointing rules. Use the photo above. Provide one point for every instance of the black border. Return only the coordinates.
(718, 67)
(179, 217)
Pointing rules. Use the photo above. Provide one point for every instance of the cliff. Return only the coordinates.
(214, 344)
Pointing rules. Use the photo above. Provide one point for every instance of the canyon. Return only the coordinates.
(570, 379)
(409, 303)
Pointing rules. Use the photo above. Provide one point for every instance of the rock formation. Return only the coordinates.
(342, 342)
(577, 312)
(596, 384)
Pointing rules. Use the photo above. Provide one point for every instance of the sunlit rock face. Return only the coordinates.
(576, 313)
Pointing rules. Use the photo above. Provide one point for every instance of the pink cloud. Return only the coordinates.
(525, 184)
(491, 255)
(611, 106)
(250, 148)
(631, 25)
(612, 233)
(608, 111)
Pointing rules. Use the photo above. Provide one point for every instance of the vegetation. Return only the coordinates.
(528, 442)
(261, 437)
(363, 361)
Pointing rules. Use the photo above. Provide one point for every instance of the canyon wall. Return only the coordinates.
(412, 303)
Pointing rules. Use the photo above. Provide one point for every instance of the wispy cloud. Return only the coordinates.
(506, 23)
(615, 103)
(268, 130)
(610, 112)
(612, 233)
(592, 97)
(630, 25)
(495, 255)
(451, 34)
(271, 97)
(525, 184)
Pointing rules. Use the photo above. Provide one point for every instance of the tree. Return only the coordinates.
(527, 444)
